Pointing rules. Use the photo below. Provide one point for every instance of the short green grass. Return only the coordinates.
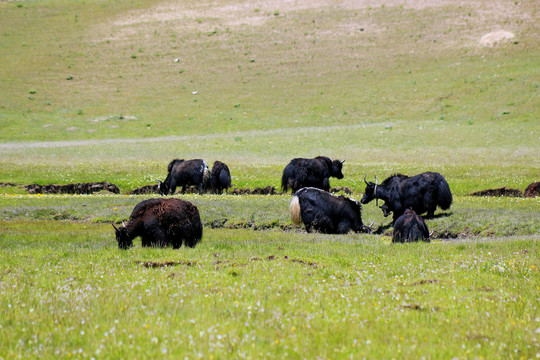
(67, 291)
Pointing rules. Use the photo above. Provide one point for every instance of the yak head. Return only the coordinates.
(124, 242)
(336, 169)
(163, 188)
(370, 192)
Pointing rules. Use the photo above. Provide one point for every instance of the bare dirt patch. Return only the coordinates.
(503, 191)
(147, 189)
(77, 188)
(268, 190)
(533, 190)
(496, 38)
(155, 264)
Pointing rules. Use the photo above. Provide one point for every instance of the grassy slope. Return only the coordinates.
(390, 88)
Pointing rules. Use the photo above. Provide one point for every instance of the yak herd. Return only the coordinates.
(170, 221)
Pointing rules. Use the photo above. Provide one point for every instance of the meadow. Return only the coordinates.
(113, 90)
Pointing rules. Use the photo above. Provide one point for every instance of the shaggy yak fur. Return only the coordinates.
(185, 173)
(220, 177)
(321, 211)
(315, 172)
(421, 193)
(160, 223)
(410, 227)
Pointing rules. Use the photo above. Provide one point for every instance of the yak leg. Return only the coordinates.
(326, 184)
(397, 237)
(200, 187)
(325, 225)
(172, 189)
(189, 235)
(176, 241)
(158, 237)
(343, 227)
(146, 241)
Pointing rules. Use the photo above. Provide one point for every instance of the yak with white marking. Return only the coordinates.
(160, 223)
(185, 173)
(315, 172)
(410, 227)
(321, 211)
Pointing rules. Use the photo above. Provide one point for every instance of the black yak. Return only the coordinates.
(421, 193)
(160, 223)
(184, 173)
(410, 227)
(220, 177)
(321, 211)
(315, 172)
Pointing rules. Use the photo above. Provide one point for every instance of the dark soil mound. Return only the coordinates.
(504, 191)
(269, 190)
(78, 188)
(7, 184)
(533, 190)
(343, 189)
(147, 189)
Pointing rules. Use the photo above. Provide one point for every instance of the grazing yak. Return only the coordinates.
(184, 173)
(220, 177)
(421, 193)
(410, 227)
(315, 172)
(321, 211)
(162, 222)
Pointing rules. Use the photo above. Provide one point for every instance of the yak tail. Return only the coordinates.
(445, 196)
(294, 211)
(206, 173)
(285, 182)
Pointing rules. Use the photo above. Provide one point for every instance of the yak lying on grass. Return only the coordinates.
(160, 223)
(184, 173)
(321, 211)
(410, 227)
(315, 172)
(220, 177)
(421, 193)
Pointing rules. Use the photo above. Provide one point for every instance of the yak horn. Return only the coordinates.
(115, 228)
(376, 182)
(365, 180)
(343, 161)
(371, 223)
(124, 225)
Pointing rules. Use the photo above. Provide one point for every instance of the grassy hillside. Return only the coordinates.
(391, 86)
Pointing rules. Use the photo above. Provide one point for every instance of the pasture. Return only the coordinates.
(113, 90)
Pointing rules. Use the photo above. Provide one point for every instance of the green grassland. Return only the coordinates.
(101, 90)
(68, 292)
